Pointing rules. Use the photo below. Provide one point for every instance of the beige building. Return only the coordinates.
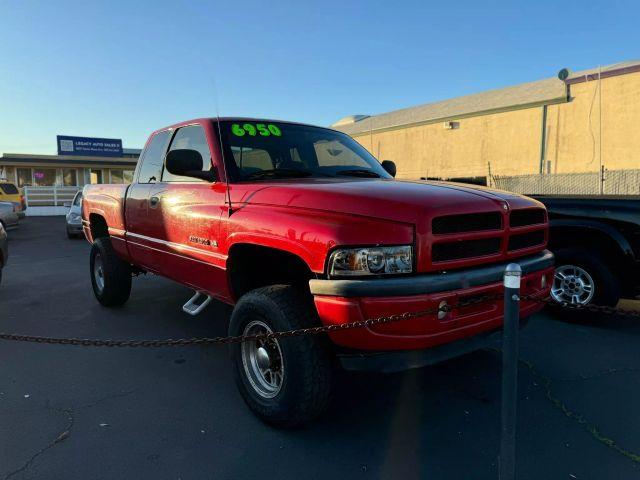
(587, 121)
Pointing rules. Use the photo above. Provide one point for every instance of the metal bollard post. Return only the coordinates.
(507, 463)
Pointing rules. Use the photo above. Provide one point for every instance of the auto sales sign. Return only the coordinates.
(89, 147)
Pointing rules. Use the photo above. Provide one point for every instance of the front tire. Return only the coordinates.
(110, 276)
(286, 382)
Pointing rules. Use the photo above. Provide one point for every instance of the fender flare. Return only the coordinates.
(601, 227)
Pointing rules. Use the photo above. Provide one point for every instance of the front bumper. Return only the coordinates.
(74, 228)
(398, 361)
(343, 301)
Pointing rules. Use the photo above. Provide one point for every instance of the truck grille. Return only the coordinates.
(525, 240)
(531, 216)
(471, 222)
(500, 233)
(443, 252)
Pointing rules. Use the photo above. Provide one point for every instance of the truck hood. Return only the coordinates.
(394, 200)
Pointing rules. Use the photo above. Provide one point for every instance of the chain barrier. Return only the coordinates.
(181, 342)
(583, 308)
(371, 322)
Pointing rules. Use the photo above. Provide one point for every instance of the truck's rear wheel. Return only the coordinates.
(286, 382)
(583, 277)
(110, 276)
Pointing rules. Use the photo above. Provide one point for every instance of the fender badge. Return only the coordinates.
(199, 240)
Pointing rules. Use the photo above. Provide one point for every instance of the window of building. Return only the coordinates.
(153, 157)
(44, 177)
(95, 176)
(69, 177)
(117, 176)
(128, 176)
(192, 138)
(24, 177)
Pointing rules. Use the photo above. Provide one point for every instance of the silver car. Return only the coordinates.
(4, 249)
(8, 215)
(74, 217)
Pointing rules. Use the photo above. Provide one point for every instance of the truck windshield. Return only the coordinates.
(263, 150)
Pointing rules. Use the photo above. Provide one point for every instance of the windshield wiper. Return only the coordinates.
(278, 172)
(357, 172)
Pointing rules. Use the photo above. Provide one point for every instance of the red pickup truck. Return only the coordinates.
(300, 226)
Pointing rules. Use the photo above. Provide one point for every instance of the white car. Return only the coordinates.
(74, 217)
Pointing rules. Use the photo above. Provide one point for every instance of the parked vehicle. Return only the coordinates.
(300, 226)
(10, 193)
(8, 215)
(4, 249)
(74, 217)
(596, 241)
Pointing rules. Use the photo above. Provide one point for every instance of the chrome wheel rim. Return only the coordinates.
(98, 272)
(572, 284)
(262, 361)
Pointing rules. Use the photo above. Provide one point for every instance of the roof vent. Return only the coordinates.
(349, 120)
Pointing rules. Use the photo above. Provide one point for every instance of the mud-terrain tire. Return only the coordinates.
(599, 272)
(110, 276)
(303, 391)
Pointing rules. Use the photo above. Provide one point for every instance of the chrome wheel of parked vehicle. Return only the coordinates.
(98, 272)
(262, 361)
(287, 381)
(572, 284)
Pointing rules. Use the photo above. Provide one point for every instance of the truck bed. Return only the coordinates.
(106, 200)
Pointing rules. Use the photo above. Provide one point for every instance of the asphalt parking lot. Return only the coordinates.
(174, 413)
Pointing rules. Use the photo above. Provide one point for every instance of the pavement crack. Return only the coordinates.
(111, 396)
(62, 436)
(593, 430)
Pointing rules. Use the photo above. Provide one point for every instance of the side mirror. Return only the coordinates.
(66, 204)
(390, 167)
(188, 163)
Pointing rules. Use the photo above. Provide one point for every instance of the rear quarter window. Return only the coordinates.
(8, 189)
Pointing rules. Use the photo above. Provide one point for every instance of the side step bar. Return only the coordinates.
(197, 303)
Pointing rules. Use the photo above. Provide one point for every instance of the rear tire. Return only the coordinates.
(110, 276)
(297, 386)
(604, 282)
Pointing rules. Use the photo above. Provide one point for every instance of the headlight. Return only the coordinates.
(371, 261)
(74, 216)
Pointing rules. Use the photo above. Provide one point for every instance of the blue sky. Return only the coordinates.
(121, 69)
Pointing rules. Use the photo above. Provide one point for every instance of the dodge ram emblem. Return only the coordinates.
(199, 240)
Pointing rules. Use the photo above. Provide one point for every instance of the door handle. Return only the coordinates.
(154, 201)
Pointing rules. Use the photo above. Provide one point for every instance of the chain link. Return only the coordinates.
(371, 322)
(583, 308)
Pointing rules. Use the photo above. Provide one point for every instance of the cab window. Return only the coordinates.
(153, 157)
(191, 137)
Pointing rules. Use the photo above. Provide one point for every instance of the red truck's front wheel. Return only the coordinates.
(110, 276)
(287, 381)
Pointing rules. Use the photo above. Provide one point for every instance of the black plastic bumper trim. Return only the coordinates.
(428, 283)
(398, 361)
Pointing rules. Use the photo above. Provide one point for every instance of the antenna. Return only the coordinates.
(224, 162)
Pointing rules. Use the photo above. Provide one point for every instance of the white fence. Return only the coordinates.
(44, 201)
